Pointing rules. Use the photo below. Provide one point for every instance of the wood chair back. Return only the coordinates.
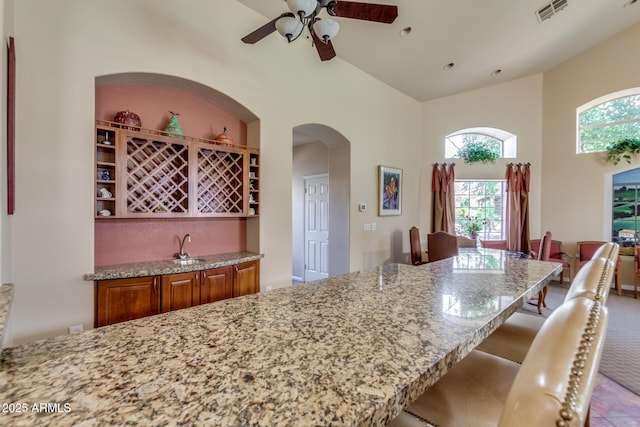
(416, 247)
(441, 245)
(494, 244)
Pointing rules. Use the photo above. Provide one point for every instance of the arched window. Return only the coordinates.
(501, 142)
(608, 119)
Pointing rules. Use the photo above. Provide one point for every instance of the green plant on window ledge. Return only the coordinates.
(477, 152)
(622, 149)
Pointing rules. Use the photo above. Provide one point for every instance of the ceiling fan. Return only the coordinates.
(304, 14)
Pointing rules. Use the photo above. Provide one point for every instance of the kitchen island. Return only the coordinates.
(351, 350)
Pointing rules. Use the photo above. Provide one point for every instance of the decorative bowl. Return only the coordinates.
(129, 119)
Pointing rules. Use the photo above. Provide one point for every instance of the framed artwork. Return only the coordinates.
(389, 191)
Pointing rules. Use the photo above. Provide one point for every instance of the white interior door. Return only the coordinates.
(316, 227)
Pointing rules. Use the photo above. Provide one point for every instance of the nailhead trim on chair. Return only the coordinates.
(569, 403)
(603, 281)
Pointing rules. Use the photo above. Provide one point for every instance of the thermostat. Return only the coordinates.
(362, 207)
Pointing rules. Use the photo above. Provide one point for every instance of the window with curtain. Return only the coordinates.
(608, 119)
(480, 201)
(499, 141)
(626, 207)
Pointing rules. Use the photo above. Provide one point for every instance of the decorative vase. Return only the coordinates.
(224, 137)
(173, 128)
(129, 119)
(473, 236)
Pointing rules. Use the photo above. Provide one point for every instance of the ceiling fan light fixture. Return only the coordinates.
(326, 29)
(289, 27)
(302, 8)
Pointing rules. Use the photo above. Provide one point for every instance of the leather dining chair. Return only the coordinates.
(441, 245)
(494, 244)
(556, 255)
(416, 247)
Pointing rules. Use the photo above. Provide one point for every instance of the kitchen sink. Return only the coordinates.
(188, 261)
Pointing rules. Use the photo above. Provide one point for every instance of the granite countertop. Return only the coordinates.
(351, 350)
(6, 297)
(169, 266)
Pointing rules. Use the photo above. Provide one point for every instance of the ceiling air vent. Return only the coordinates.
(550, 9)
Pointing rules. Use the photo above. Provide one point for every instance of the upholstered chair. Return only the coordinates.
(441, 245)
(465, 242)
(556, 255)
(486, 390)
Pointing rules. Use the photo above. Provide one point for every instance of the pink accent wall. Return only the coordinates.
(132, 240)
(120, 241)
(198, 117)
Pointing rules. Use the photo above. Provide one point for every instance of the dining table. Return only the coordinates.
(349, 350)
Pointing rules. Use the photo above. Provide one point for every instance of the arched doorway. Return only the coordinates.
(318, 150)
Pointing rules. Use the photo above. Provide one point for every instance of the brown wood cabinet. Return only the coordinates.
(246, 278)
(180, 290)
(119, 300)
(216, 284)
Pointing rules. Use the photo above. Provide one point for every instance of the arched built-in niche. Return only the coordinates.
(204, 112)
(320, 149)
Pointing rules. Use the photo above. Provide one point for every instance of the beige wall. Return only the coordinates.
(62, 47)
(577, 188)
(574, 204)
(515, 107)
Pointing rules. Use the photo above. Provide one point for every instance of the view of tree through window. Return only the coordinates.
(608, 122)
(480, 201)
(626, 206)
(456, 142)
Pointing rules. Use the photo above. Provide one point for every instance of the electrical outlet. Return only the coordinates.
(269, 288)
(76, 329)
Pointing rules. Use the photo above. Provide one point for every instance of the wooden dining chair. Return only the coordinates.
(416, 247)
(556, 255)
(543, 254)
(494, 244)
(441, 245)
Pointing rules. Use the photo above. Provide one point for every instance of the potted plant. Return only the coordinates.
(622, 149)
(474, 225)
(474, 152)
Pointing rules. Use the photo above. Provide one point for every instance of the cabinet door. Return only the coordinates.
(246, 278)
(180, 291)
(216, 284)
(119, 300)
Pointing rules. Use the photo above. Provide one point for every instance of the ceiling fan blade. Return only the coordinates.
(325, 50)
(364, 11)
(263, 31)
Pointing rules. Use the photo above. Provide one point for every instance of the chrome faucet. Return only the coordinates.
(182, 254)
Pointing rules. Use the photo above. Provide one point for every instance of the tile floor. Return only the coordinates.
(613, 405)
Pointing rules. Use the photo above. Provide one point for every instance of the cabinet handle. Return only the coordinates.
(155, 286)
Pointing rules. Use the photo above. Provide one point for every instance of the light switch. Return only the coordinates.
(367, 227)
(373, 225)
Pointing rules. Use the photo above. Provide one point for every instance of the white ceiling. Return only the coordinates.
(479, 36)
